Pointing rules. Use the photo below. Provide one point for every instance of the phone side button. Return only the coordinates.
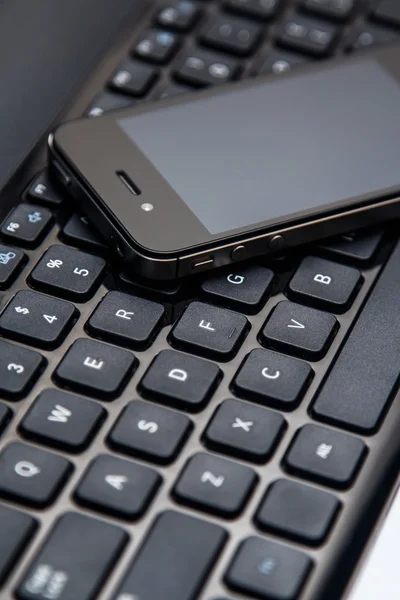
(239, 253)
(277, 243)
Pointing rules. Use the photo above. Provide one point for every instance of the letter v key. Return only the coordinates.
(296, 325)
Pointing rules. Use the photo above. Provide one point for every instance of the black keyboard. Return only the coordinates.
(227, 437)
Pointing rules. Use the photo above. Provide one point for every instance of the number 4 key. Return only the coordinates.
(50, 318)
(37, 319)
(76, 274)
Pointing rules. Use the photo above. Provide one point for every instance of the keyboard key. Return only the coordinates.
(258, 9)
(37, 319)
(180, 16)
(78, 232)
(126, 320)
(11, 263)
(5, 416)
(96, 369)
(167, 90)
(357, 247)
(278, 61)
(118, 487)
(108, 101)
(308, 35)
(74, 561)
(27, 224)
(133, 78)
(326, 456)
(19, 369)
(244, 430)
(180, 551)
(360, 386)
(202, 68)
(273, 379)
(387, 11)
(298, 512)
(167, 291)
(68, 273)
(150, 432)
(334, 9)
(210, 331)
(266, 570)
(373, 35)
(16, 530)
(30, 475)
(43, 191)
(214, 484)
(299, 330)
(63, 420)
(325, 284)
(231, 34)
(157, 46)
(180, 380)
(244, 289)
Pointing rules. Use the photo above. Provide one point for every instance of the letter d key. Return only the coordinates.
(178, 374)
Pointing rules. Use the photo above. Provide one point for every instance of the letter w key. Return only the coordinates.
(60, 414)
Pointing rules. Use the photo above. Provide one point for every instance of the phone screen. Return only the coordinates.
(279, 148)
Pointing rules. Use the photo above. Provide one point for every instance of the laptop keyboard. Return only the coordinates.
(189, 45)
(232, 419)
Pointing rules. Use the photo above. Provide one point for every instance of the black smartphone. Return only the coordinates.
(200, 181)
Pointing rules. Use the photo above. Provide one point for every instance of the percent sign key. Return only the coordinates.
(54, 263)
(68, 272)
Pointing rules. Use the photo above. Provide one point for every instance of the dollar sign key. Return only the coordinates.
(148, 426)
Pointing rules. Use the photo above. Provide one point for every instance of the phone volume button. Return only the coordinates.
(239, 253)
(276, 243)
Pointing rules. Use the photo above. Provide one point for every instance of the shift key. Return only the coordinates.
(74, 561)
(175, 559)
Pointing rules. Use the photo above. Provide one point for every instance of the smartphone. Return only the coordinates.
(204, 180)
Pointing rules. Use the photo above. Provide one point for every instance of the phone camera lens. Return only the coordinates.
(147, 207)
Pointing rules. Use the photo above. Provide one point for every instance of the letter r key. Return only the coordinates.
(126, 320)
(124, 314)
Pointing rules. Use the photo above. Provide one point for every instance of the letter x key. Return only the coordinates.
(245, 425)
